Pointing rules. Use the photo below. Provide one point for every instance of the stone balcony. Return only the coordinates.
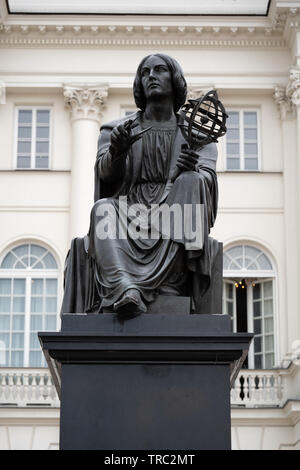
(33, 387)
(23, 387)
(266, 388)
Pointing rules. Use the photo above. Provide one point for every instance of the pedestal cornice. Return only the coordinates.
(169, 338)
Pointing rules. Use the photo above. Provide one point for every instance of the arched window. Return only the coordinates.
(248, 297)
(28, 303)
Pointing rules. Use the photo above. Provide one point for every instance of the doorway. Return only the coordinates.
(250, 304)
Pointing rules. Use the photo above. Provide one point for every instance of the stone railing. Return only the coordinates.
(259, 388)
(27, 387)
(269, 388)
(252, 388)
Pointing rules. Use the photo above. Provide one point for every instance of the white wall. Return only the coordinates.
(261, 208)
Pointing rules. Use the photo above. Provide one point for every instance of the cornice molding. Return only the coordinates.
(275, 30)
(85, 102)
(197, 83)
(191, 31)
(140, 41)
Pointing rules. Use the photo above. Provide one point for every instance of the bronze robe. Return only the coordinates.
(144, 177)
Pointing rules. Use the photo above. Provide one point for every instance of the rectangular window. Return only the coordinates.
(33, 138)
(242, 140)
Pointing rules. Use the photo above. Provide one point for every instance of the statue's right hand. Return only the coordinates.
(120, 139)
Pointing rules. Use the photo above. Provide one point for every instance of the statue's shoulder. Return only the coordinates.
(110, 125)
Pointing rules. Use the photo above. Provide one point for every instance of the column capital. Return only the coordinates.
(87, 101)
(293, 87)
(284, 103)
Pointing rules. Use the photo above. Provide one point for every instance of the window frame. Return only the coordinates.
(250, 316)
(232, 300)
(28, 274)
(34, 109)
(241, 111)
(263, 316)
(256, 276)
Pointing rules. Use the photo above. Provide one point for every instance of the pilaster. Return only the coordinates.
(288, 101)
(293, 87)
(2, 93)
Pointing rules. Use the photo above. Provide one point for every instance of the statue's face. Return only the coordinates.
(156, 78)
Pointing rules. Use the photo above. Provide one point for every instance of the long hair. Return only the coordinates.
(178, 83)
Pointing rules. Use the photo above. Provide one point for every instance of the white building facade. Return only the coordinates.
(65, 72)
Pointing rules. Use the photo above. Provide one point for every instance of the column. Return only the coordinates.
(286, 99)
(293, 91)
(85, 104)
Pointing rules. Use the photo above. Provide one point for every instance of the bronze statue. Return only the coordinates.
(137, 159)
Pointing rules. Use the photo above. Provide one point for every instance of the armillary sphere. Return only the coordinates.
(204, 120)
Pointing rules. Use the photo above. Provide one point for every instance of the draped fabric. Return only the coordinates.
(144, 263)
(157, 145)
(112, 266)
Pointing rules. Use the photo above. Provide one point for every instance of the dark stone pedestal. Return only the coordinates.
(154, 382)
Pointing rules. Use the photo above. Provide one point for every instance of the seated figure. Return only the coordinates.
(137, 159)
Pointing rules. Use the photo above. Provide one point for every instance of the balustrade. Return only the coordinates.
(257, 388)
(34, 387)
(27, 387)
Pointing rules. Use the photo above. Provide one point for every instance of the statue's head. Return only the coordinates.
(178, 82)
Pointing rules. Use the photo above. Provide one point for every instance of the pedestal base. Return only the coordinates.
(153, 382)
